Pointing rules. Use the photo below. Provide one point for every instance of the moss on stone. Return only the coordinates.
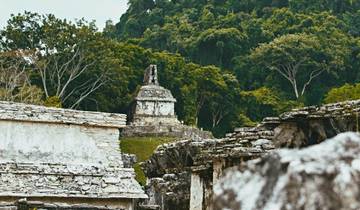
(143, 148)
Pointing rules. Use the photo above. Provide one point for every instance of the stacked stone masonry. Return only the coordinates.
(32, 113)
(154, 114)
(320, 177)
(174, 167)
(64, 158)
(182, 174)
(154, 104)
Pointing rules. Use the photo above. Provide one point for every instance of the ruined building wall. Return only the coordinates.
(154, 112)
(312, 125)
(184, 173)
(155, 108)
(58, 143)
(50, 155)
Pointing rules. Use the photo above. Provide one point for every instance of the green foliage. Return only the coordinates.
(264, 102)
(299, 58)
(228, 63)
(223, 42)
(226, 33)
(343, 93)
(30, 94)
(25, 94)
(53, 101)
(243, 121)
(143, 148)
(15, 82)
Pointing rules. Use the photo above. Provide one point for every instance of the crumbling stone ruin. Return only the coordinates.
(321, 177)
(312, 125)
(154, 112)
(182, 174)
(63, 159)
(154, 104)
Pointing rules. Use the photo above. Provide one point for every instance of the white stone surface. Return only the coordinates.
(54, 143)
(60, 153)
(32, 113)
(196, 192)
(155, 108)
(324, 176)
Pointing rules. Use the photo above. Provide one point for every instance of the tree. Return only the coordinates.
(225, 101)
(59, 71)
(299, 58)
(15, 82)
(343, 93)
(218, 47)
(59, 53)
(264, 102)
(336, 6)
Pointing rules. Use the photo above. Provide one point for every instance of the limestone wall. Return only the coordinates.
(58, 143)
(29, 180)
(324, 176)
(203, 162)
(63, 155)
(155, 108)
(312, 125)
(32, 113)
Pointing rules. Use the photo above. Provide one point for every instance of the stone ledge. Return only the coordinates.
(68, 181)
(32, 113)
(342, 109)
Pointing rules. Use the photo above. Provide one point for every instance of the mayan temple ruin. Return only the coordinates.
(153, 112)
(183, 175)
(63, 159)
(53, 158)
(154, 105)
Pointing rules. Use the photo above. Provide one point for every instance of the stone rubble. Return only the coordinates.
(312, 125)
(321, 177)
(170, 167)
(207, 158)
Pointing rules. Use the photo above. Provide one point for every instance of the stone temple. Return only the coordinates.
(63, 159)
(154, 104)
(153, 112)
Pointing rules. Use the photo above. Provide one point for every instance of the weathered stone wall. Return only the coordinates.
(156, 102)
(65, 156)
(32, 113)
(162, 122)
(205, 160)
(312, 125)
(166, 130)
(58, 143)
(68, 203)
(67, 181)
(320, 177)
(200, 163)
(155, 108)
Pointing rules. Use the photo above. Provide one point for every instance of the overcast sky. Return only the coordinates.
(99, 10)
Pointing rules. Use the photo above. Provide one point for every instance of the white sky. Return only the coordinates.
(99, 10)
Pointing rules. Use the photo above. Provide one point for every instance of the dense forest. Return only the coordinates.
(228, 63)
